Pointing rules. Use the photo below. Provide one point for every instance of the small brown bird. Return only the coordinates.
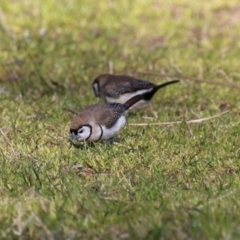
(120, 88)
(101, 121)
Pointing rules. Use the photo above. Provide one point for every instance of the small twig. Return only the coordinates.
(48, 233)
(3, 22)
(178, 122)
(110, 65)
(111, 199)
(219, 198)
(5, 137)
(70, 111)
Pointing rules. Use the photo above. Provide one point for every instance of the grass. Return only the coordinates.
(156, 182)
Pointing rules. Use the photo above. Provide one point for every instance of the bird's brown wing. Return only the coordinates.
(121, 84)
(101, 114)
(109, 113)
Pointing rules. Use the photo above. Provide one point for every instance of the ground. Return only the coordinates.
(178, 181)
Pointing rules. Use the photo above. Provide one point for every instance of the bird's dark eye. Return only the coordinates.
(80, 131)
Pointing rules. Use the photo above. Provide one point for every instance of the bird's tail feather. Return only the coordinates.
(133, 100)
(148, 96)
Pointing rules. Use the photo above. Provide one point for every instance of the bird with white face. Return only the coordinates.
(120, 88)
(101, 121)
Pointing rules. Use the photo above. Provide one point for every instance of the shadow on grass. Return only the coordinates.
(81, 145)
(86, 145)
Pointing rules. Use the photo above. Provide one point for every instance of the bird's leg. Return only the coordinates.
(110, 140)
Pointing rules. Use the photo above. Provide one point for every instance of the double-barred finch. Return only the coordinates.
(101, 121)
(120, 88)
